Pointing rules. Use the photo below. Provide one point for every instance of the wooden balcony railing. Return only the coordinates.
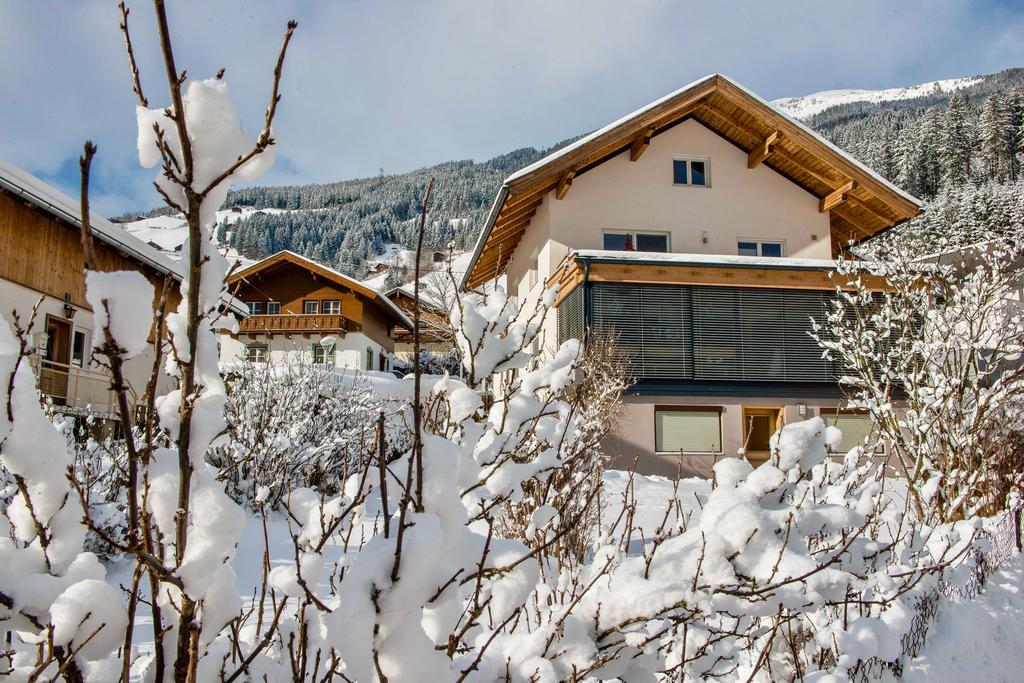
(289, 323)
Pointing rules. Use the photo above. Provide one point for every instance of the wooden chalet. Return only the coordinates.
(297, 306)
(41, 261)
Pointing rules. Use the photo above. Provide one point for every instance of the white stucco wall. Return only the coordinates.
(92, 387)
(349, 351)
(740, 204)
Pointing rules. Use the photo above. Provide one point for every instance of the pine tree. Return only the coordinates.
(957, 142)
(994, 124)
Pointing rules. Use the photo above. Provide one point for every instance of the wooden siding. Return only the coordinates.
(570, 274)
(289, 324)
(291, 284)
(44, 253)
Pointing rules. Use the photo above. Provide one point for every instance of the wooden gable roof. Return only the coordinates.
(860, 203)
(289, 257)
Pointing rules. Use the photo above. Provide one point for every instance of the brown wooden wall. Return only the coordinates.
(291, 285)
(44, 253)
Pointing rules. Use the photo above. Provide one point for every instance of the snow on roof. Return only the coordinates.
(568, 149)
(505, 189)
(50, 199)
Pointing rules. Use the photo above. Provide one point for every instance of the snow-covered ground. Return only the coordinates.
(815, 103)
(401, 256)
(980, 639)
(168, 233)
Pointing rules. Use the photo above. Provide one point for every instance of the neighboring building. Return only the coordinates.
(435, 334)
(41, 256)
(700, 231)
(298, 307)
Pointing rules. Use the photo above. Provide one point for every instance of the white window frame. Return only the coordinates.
(333, 304)
(760, 243)
(661, 233)
(84, 361)
(255, 307)
(688, 158)
(690, 409)
(264, 348)
(274, 303)
(306, 306)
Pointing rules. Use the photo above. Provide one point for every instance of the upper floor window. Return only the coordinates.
(309, 307)
(620, 240)
(273, 308)
(691, 171)
(331, 307)
(759, 248)
(255, 307)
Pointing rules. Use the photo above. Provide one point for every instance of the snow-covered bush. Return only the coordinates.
(416, 567)
(934, 359)
(296, 424)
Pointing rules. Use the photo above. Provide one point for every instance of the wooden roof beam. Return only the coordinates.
(889, 222)
(836, 197)
(776, 149)
(564, 183)
(641, 143)
(761, 152)
(853, 222)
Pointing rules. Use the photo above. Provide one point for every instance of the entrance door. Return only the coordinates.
(53, 378)
(758, 426)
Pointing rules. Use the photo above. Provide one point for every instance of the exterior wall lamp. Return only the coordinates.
(69, 310)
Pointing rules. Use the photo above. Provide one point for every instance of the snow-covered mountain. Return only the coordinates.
(808, 105)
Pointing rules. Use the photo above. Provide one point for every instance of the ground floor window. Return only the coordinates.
(369, 358)
(256, 353)
(319, 353)
(687, 430)
(857, 428)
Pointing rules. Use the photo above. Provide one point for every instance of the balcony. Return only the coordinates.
(292, 323)
(78, 391)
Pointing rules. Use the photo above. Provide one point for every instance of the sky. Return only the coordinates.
(401, 84)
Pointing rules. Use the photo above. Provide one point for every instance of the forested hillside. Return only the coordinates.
(346, 222)
(962, 151)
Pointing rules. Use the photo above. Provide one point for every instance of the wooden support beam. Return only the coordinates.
(889, 222)
(761, 152)
(852, 221)
(641, 143)
(776, 151)
(835, 197)
(564, 184)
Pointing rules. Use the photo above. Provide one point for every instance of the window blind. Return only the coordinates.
(689, 431)
(856, 429)
(714, 333)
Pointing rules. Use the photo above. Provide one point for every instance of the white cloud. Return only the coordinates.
(407, 83)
